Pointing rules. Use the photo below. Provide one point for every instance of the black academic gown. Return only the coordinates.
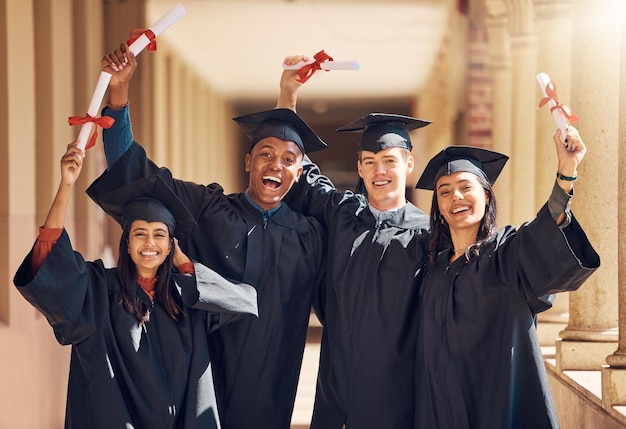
(479, 362)
(122, 374)
(368, 307)
(256, 363)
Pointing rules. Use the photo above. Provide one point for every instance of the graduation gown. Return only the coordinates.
(368, 307)
(122, 374)
(479, 362)
(256, 363)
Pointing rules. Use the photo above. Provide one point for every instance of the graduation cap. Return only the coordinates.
(384, 130)
(284, 124)
(481, 162)
(149, 199)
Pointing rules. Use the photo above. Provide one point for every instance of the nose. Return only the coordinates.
(457, 195)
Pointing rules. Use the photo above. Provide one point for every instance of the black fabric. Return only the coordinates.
(368, 306)
(122, 374)
(148, 199)
(482, 162)
(256, 363)
(380, 131)
(479, 364)
(284, 124)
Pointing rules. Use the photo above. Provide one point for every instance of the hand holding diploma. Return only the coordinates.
(320, 61)
(562, 115)
(139, 40)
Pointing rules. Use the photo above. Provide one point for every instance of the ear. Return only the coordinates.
(358, 168)
(299, 173)
(410, 164)
(247, 162)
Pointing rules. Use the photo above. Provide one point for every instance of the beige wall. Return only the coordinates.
(50, 62)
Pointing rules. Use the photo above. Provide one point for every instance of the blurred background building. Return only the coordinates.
(467, 65)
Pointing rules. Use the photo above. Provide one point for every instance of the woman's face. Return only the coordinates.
(148, 245)
(462, 200)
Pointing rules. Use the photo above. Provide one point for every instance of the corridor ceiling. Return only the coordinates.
(239, 45)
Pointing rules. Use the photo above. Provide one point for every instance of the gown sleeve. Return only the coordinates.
(227, 300)
(43, 246)
(119, 137)
(315, 194)
(540, 258)
(72, 294)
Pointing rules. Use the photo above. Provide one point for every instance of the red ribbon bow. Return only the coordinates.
(551, 95)
(304, 73)
(136, 34)
(103, 121)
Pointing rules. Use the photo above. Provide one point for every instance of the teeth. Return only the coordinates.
(459, 209)
(149, 253)
(273, 179)
(380, 183)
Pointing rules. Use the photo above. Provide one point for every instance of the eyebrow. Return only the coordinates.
(450, 184)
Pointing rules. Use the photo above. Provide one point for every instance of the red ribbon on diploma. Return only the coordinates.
(103, 121)
(136, 34)
(551, 96)
(305, 72)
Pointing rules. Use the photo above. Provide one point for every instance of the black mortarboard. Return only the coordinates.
(284, 124)
(482, 162)
(149, 199)
(384, 130)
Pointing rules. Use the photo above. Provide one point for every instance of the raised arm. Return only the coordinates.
(289, 85)
(569, 156)
(121, 64)
(71, 166)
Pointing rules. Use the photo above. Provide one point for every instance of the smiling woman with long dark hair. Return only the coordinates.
(138, 332)
(479, 364)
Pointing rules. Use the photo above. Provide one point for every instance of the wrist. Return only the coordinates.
(569, 177)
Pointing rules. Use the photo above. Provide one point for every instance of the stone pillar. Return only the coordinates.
(497, 24)
(614, 376)
(523, 101)
(88, 49)
(553, 23)
(591, 334)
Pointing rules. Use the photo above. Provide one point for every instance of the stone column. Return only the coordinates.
(591, 334)
(497, 24)
(88, 48)
(553, 23)
(523, 101)
(614, 376)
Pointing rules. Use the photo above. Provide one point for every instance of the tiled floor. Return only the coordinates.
(306, 388)
(303, 407)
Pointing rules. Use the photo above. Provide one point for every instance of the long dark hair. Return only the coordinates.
(163, 291)
(440, 230)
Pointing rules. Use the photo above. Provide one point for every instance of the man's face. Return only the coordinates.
(384, 174)
(274, 166)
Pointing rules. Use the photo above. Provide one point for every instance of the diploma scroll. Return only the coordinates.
(561, 114)
(326, 65)
(94, 105)
(138, 45)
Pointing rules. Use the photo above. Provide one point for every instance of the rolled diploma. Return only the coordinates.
(326, 65)
(170, 17)
(560, 120)
(94, 105)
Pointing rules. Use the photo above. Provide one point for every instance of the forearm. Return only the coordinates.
(117, 139)
(58, 209)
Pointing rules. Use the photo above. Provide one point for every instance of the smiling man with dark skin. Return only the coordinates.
(252, 237)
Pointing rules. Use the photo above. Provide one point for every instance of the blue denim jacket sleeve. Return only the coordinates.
(117, 139)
